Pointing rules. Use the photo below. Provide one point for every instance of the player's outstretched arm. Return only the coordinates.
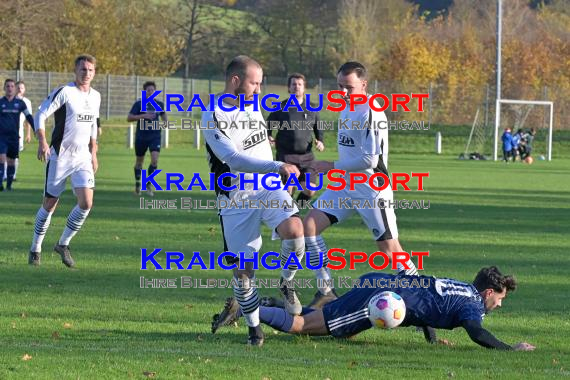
(226, 152)
(484, 338)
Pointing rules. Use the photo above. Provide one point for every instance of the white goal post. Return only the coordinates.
(527, 102)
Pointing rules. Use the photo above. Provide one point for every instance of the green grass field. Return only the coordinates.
(96, 322)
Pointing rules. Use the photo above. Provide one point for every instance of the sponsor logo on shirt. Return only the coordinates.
(254, 139)
(345, 140)
(85, 118)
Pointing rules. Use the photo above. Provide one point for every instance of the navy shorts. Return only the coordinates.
(9, 146)
(348, 315)
(152, 144)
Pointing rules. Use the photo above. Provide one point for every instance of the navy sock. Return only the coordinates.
(306, 310)
(138, 176)
(1, 174)
(11, 170)
(277, 318)
(150, 170)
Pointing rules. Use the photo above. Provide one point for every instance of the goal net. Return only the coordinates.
(531, 121)
(479, 144)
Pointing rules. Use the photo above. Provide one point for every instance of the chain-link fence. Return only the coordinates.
(446, 105)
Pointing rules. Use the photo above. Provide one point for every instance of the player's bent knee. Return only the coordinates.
(315, 222)
(291, 228)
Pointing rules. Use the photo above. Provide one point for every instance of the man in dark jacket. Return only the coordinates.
(294, 140)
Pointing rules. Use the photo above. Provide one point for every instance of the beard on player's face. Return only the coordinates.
(241, 89)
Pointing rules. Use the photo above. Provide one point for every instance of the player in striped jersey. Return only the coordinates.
(440, 303)
(246, 150)
(360, 150)
(71, 154)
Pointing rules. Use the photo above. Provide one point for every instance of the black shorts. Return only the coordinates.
(303, 162)
(152, 144)
(10, 146)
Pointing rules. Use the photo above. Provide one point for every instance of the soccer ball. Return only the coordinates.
(386, 310)
(529, 160)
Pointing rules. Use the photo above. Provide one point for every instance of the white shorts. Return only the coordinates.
(241, 231)
(59, 169)
(380, 221)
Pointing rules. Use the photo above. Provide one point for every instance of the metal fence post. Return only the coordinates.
(48, 82)
(108, 96)
(430, 94)
(487, 106)
(137, 86)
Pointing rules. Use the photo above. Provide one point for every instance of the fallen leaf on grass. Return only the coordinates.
(199, 338)
(188, 306)
(351, 364)
(23, 315)
(13, 324)
(67, 325)
(55, 335)
(26, 357)
(149, 374)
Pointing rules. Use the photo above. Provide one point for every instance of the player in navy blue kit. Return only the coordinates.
(147, 136)
(10, 109)
(430, 303)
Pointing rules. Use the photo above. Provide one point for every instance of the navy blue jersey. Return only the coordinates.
(143, 133)
(440, 303)
(10, 116)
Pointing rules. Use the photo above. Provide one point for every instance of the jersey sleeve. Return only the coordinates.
(52, 103)
(371, 142)
(95, 126)
(483, 337)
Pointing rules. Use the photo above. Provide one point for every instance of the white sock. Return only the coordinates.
(248, 300)
(74, 222)
(413, 271)
(318, 248)
(16, 164)
(43, 218)
(287, 246)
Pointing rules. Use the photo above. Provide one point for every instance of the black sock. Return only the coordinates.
(10, 175)
(138, 176)
(150, 170)
(303, 197)
(1, 174)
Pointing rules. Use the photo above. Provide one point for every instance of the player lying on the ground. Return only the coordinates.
(443, 304)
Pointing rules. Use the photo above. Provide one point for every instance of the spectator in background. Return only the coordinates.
(294, 145)
(507, 140)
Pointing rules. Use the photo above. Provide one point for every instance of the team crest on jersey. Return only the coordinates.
(345, 140)
(84, 118)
